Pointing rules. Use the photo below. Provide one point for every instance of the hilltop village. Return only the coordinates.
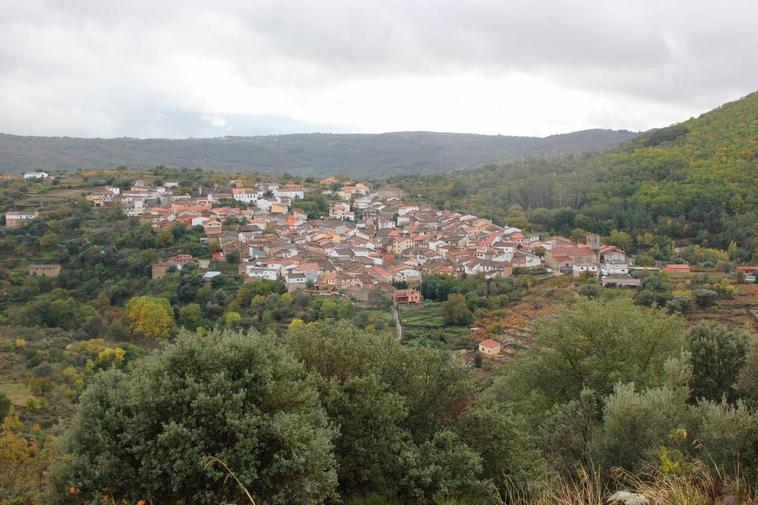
(374, 242)
(385, 257)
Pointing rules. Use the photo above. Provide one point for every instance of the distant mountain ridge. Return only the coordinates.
(355, 155)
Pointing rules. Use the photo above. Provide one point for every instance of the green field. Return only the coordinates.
(16, 392)
(423, 324)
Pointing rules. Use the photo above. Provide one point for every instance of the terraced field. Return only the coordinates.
(423, 325)
(741, 311)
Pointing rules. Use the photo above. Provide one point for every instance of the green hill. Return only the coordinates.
(695, 182)
(354, 155)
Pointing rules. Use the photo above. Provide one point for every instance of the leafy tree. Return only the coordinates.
(147, 434)
(164, 238)
(705, 297)
(233, 257)
(595, 347)
(717, 355)
(567, 431)
(232, 319)
(654, 290)
(620, 239)
(728, 436)
(49, 241)
(24, 461)
(150, 317)
(504, 440)
(748, 382)
(679, 305)
(57, 309)
(5, 406)
(590, 291)
(401, 411)
(455, 310)
(443, 467)
(191, 316)
(635, 425)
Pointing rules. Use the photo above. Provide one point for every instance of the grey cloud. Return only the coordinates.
(100, 59)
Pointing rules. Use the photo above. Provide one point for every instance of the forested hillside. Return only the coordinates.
(693, 182)
(353, 155)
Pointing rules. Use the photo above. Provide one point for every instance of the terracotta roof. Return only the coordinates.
(571, 251)
(489, 343)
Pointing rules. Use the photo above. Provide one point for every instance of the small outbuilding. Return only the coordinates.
(490, 347)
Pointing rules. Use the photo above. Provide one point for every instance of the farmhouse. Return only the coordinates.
(36, 175)
(158, 270)
(16, 219)
(212, 227)
(489, 347)
(567, 256)
(677, 268)
(45, 270)
(409, 296)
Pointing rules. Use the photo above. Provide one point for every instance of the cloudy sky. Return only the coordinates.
(178, 68)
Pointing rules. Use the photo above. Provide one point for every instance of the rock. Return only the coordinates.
(729, 499)
(627, 498)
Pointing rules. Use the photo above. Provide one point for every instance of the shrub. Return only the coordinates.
(705, 297)
(239, 398)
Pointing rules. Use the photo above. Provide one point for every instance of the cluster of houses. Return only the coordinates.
(371, 243)
(607, 262)
(160, 203)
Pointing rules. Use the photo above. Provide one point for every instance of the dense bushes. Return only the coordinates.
(615, 385)
(348, 413)
(147, 434)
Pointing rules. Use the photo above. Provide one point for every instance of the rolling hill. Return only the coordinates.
(693, 182)
(355, 155)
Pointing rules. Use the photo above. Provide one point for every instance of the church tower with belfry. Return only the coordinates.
(593, 242)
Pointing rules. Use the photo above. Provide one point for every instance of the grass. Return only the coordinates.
(16, 392)
(699, 486)
(48, 197)
(424, 324)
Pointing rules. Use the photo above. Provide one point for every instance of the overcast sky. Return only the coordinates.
(178, 68)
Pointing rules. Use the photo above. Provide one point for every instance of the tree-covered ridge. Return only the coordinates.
(693, 182)
(355, 155)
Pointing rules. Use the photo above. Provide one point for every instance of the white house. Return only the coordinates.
(584, 267)
(256, 272)
(525, 259)
(290, 190)
(406, 275)
(341, 211)
(36, 175)
(364, 202)
(384, 224)
(406, 209)
(296, 280)
(264, 204)
(244, 195)
(615, 269)
(208, 276)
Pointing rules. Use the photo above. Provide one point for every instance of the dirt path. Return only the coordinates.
(398, 325)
